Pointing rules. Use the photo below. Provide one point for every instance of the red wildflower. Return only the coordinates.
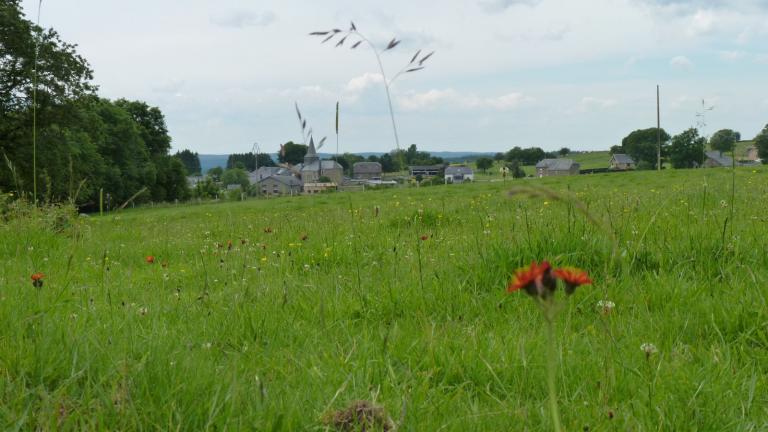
(573, 278)
(424, 237)
(37, 279)
(150, 259)
(537, 280)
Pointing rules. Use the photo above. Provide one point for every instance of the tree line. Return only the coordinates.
(684, 150)
(84, 143)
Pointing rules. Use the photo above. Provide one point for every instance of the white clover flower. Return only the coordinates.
(143, 310)
(207, 345)
(605, 306)
(649, 349)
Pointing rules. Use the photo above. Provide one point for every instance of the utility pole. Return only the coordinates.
(256, 149)
(658, 131)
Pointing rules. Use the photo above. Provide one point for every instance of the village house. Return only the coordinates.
(717, 159)
(556, 167)
(426, 170)
(366, 171)
(752, 153)
(622, 162)
(264, 172)
(279, 185)
(459, 174)
(313, 169)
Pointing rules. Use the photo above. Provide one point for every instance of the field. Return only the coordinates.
(271, 314)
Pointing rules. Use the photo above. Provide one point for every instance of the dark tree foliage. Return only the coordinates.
(724, 140)
(84, 143)
(292, 153)
(761, 142)
(484, 163)
(687, 149)
(528, 156)
(642, 145)
(190, 160)
(515, 169)
(498, 157)
(616, 149)
(250, 161)
(564, 151)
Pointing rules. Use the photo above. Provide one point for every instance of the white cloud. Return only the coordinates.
(493, 6)
(592, 103)
(681, 63)
(732, 55)
(761, 58)
(450, 98)
(243, 18)
(702, 22)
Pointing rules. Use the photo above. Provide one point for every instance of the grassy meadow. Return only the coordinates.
(271, 314)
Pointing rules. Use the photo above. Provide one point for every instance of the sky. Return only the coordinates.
(548, 73)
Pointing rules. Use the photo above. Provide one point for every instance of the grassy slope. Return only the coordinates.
(271, 334)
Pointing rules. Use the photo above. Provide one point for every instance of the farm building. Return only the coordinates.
(426, 170)
(622, 162)
(556, 167)
(313, 168)
(459, 174)
(279, 184)
(366, 170)
(315, 188)
(716, 159)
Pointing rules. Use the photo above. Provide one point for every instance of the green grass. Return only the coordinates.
(277, 331)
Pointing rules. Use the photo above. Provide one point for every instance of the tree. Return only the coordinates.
(190, 160)
(498, 157)
(616, 149)
(761, 142)
(292, 153)
(528, 156)
(564, 151)
(265, 160)
(515, 169)
(642, 145)
(484, 163)
(215, 173)
(687, 149)
(236, 176)
(724, 140)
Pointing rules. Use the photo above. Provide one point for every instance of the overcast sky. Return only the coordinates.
(549, 73)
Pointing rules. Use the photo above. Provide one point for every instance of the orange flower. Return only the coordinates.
(536, 279)
(150, 259)
(37, 279)
(573, 278)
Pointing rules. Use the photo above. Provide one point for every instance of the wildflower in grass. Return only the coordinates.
(229, 244)
(164, 264)
(267, 230)
(536, 280)
(540, 280)
(37, 280)
(150, 259)
(649, 349)
(243, 242)
(424, 237)
(304, 237)
(573, 278)
(143, 310)
(605, 307)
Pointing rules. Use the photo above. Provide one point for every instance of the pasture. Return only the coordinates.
(270, 314)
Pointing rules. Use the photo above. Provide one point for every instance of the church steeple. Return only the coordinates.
(311, 156)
